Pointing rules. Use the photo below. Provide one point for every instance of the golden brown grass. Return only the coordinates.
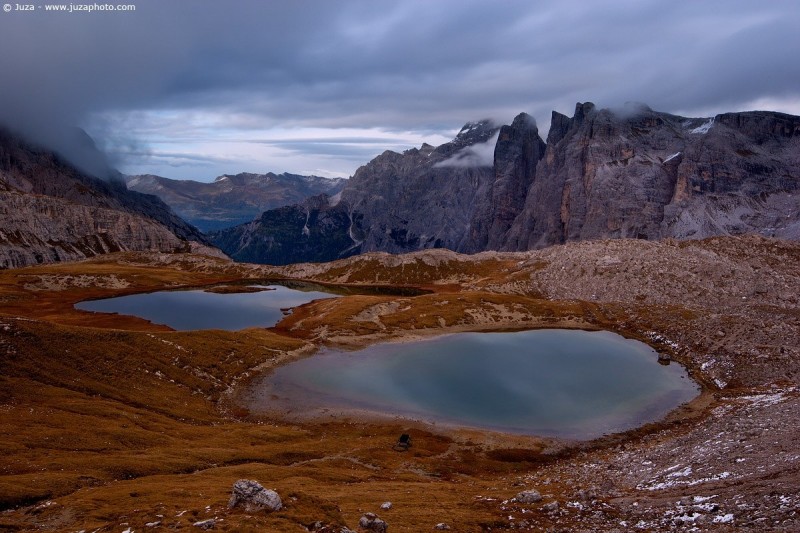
(112, 422)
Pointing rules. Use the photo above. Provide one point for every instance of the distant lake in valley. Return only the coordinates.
(554, 383)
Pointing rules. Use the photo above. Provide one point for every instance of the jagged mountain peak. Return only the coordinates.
(475, 132)
(625, 172)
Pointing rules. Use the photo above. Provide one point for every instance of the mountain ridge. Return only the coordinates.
(52, 211)
(629, 172)
(232, 199)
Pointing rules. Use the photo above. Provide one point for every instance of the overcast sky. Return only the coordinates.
(195, 89)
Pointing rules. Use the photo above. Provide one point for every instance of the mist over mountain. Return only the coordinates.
(604, 173)
(232, 199)
(53, 211)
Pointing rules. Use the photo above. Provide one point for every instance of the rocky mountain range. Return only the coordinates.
(604, 173)
(52, 211)
(232, 199)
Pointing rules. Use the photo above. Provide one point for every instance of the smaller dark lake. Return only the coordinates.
(556, 383)
(187, 310)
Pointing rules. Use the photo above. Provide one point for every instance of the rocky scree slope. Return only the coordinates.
(52, 212)
(232, 199)
(622, 173)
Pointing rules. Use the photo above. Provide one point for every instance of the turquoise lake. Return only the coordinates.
(554, 383)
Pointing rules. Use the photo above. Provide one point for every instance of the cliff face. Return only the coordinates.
(51, 211)
(516, 156)
(423, 198)
(624, 173)
(637, 173)
(233, 199)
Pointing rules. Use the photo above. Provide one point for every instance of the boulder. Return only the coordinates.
(253, 497)
(205, 524)
(551, 507)
(371, 522)
(528, 496)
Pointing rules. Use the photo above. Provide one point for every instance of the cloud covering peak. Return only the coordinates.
(201, 88)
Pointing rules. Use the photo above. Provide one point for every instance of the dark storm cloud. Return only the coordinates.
(397, 66)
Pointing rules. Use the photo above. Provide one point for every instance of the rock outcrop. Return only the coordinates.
(423, 198)
(233, 199)
(314, 231)
(52, 211)
(637, 173)
(528, 496)
(371, 522)
(516, 155)
(253, 497)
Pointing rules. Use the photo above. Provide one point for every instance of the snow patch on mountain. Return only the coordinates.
(703, 128)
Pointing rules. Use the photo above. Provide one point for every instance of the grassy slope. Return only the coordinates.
(111, 422)
(118, 426)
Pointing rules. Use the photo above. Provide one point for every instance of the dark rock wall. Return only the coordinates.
(604, 173)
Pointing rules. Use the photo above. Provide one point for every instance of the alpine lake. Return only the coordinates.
(560, 383)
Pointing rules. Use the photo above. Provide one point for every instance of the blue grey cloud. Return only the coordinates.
(397, 66)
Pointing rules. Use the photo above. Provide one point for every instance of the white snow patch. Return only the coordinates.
(723, 519)
(306, 231)
(687, 518)
(702, 129)
(763, 400)
(681, 473)
(673, 156)
(707, 507)
(671, 480)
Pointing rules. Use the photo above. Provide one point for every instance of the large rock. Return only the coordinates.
(528, 496)
(371, 522)
(516, 155)
(253, 497)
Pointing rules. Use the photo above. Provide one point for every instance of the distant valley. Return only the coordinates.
(232, 199)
